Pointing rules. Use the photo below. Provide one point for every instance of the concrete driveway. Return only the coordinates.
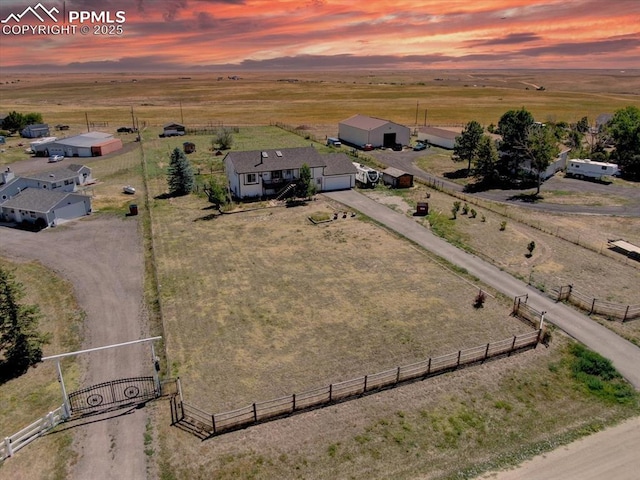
(624, 355)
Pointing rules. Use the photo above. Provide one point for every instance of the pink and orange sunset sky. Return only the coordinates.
(184, 35)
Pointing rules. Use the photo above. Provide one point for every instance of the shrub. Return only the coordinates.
(473, 213)
(465, 209)
(479, 300)
(503, 225)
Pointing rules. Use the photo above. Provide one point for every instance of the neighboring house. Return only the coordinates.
(45, 198)
(396, 178)
(361, 130)
(440, 137)
(35, 131)
(260, 173)
(92, 144)
(558, 164)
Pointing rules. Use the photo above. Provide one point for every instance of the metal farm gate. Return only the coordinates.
(113, 394)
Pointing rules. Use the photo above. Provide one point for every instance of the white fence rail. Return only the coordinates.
(24, 437)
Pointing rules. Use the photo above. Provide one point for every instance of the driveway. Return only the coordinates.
(624, 355)
(406, 159)
(102, 257)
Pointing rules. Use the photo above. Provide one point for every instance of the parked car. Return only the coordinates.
(56, 158)
(126, 130)
(367, 147)
(419, 146)
(397, 147)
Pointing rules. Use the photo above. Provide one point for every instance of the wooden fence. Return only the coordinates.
(524, 312)
(24, 437)
(595, 305)
(204, 424)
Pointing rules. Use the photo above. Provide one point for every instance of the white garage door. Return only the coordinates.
(338, 182)
(68, 212)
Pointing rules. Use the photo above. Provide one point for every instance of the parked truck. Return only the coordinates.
(366, 176)
(585, 168)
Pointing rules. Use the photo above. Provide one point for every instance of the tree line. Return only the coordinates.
(526, 148)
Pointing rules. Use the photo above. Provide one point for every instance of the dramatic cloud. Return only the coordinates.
(290, 34)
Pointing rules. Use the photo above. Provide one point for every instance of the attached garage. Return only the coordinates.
(338, 174)
(361, 130)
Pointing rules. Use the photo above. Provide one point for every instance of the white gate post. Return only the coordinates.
(65, 399)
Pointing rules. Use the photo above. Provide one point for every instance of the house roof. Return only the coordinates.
(365, 123)
(338, 164)
(255, 161)
(84, 139)
(172, 124)
(36, 200)
(440, 132)
(62, 173)
(395, 172)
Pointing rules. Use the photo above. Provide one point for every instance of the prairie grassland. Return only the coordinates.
(37, 392)
(299, 98)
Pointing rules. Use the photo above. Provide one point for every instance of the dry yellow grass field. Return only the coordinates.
(263, 303)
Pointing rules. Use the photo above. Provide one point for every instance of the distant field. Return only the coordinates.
(298, 98)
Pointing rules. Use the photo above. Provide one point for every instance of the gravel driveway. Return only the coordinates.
(406, 159)
(102, 257)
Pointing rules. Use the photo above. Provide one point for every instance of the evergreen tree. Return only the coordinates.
(304, 185)
(180, 174)
(514, 127)
(20, 342)
(467, 143)
(486, 169)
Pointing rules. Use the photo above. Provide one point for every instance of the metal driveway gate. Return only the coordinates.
(113, 394)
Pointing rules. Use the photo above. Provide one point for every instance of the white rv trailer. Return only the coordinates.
(366, 176)
(584, 168)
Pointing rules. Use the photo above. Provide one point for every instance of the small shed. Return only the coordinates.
(189, 147)
(35, 130)
(173, 129)
(396, 178)
(440, 137)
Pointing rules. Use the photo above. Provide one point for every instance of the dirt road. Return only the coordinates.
(587, 459)
(102, 257)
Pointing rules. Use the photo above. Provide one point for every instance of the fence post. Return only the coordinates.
(255, 413)
(459, 354)
(364, 390)
(213, 422)
(513, 344)
(626, 312)
(330, 391)
(398, 375)
(593, 304)
(7, 443)
(51, 420)
(293, 401)
(429, 366)
(486, 352)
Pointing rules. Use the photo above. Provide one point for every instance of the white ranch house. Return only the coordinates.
(263, 173)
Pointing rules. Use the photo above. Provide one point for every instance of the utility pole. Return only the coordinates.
(133, 120)
(181, 116)
(86, 117)
(417, 105)
(425, 117)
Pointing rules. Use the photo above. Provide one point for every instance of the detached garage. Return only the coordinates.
(90, 144)
(361, 130)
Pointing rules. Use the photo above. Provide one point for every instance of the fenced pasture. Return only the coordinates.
(204, 424)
